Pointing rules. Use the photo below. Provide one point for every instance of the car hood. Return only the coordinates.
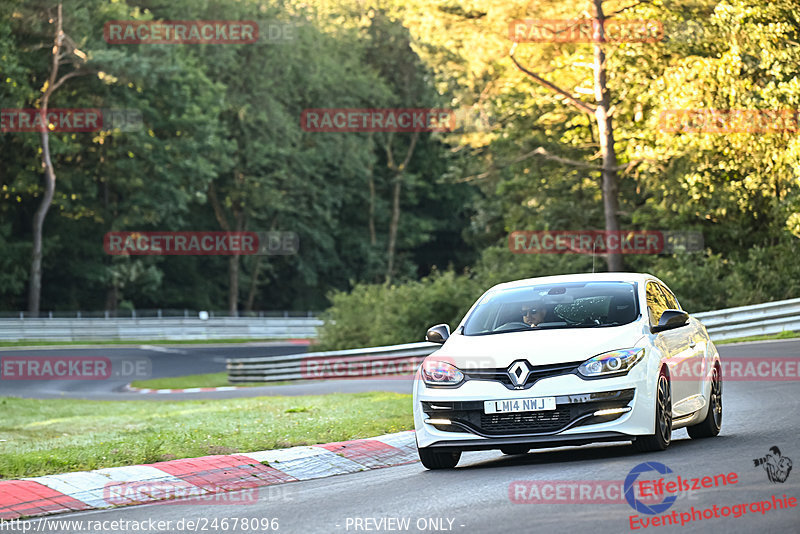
(539, 347)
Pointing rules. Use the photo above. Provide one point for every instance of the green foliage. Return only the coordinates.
(226, 118)
(378, 314)
(704, 282)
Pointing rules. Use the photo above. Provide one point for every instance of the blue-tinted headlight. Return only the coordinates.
(437, 373)
(609, 363)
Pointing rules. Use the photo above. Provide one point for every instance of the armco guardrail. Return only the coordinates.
(769, 318)
(392, 360)
(168, 328)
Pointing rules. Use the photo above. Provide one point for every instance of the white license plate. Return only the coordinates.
(538, 404)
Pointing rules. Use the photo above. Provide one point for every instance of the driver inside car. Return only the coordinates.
(533, 315)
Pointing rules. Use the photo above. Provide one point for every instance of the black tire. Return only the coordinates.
(709, 427)
(511, 450)
(433, 459)
(659, 440)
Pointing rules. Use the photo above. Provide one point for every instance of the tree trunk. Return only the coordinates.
(372, 237)
(251, 294)
(233, 261)
(393, 224)
(606, 134)
(601, 111)
(233, 270)
(35, 287)
(233, 285)
(58, 54)
(398, 181)
(112, 299)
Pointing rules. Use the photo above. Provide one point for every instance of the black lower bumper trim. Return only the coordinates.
(535, 442)
(570, 411)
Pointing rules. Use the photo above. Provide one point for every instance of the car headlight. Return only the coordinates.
(437, 373)
(611, 363)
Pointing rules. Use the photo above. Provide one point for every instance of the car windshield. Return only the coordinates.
(548, 306)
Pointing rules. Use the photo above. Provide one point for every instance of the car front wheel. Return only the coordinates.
(433, 459)
(709, 427)
(659, 440)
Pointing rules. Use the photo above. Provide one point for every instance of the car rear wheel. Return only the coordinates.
(710, 426)
(433, 459)
(659, 440)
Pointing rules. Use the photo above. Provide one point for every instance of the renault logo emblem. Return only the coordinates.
(518, 373)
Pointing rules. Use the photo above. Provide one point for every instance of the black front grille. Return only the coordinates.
(537, 373)
(570, 410)
(525, 423)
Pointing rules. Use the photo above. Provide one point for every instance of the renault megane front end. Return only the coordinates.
(567, 360)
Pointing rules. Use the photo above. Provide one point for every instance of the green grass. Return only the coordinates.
(786, 334)
(56, 436)
(24, 343)
(210, 380)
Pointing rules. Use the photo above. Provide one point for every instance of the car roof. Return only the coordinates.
(581, 277)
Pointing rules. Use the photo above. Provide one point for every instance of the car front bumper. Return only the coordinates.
(574, 422)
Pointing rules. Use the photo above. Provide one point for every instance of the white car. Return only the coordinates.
(567, 360)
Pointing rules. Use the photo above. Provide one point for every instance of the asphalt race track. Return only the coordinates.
(148, 361)
(130, 363)
(478, 496)
(181, 360)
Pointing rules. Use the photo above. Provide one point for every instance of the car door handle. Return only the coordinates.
(692, 344)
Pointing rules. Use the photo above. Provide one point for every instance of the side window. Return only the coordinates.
(672, 302)
(656, 303)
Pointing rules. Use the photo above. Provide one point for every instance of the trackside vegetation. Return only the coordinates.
(41, 437)
(222, 147)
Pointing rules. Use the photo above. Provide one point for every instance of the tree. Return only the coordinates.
(64, 52)
(390, 53)
(602, 113)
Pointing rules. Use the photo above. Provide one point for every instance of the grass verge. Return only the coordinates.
(23, 343)
(786, 334)
(210, 380)
(43, 437)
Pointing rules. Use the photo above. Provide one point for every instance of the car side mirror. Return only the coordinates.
(438, 333)
(671, 319)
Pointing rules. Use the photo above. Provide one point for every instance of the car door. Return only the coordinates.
(694, 368)
(675, 346)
